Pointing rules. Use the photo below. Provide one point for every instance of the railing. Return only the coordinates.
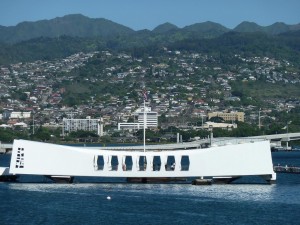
(233, 141)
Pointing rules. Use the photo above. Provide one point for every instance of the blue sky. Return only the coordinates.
(147, 14)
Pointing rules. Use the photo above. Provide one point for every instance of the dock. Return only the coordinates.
(5, 148)
(287, 169)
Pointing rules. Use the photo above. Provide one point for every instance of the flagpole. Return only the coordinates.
(144, 125)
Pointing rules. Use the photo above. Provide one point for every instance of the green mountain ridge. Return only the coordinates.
(274, 29)
(71, 25)
(60, 38)
(77, 25)
(285, 45)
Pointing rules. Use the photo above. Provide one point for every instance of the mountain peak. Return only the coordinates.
(207, 29)
(165, 27)
(246, 26)
(204, 26)
(277, 28)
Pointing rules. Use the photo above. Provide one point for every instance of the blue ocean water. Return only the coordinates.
(34, 201)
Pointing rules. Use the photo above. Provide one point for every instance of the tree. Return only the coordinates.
(83, 134)
(42, 134)
(8, 135)
(23, 97)
(217, 119)
(245, 130)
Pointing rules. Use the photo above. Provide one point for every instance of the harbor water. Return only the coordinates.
(35, 200)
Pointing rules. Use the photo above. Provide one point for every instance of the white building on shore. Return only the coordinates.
(151, 120)
(210, 125)
(87, 124)
(20, 115)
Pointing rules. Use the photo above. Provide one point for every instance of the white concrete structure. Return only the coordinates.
(20, 115)
(209, 125)
(230, 158)
(151, 117)
(130, 126)
(151, 120)
(21, 124)
(87, 124)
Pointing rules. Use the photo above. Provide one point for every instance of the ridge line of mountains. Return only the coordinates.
(77, 25)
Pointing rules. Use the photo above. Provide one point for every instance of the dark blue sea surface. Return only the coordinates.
(36, 201)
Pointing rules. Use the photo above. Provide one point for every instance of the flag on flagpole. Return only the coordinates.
(145, 95)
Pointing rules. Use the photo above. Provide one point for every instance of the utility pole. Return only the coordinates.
(33, 124)
(287, 134)
(145, 121)
(259, 124)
